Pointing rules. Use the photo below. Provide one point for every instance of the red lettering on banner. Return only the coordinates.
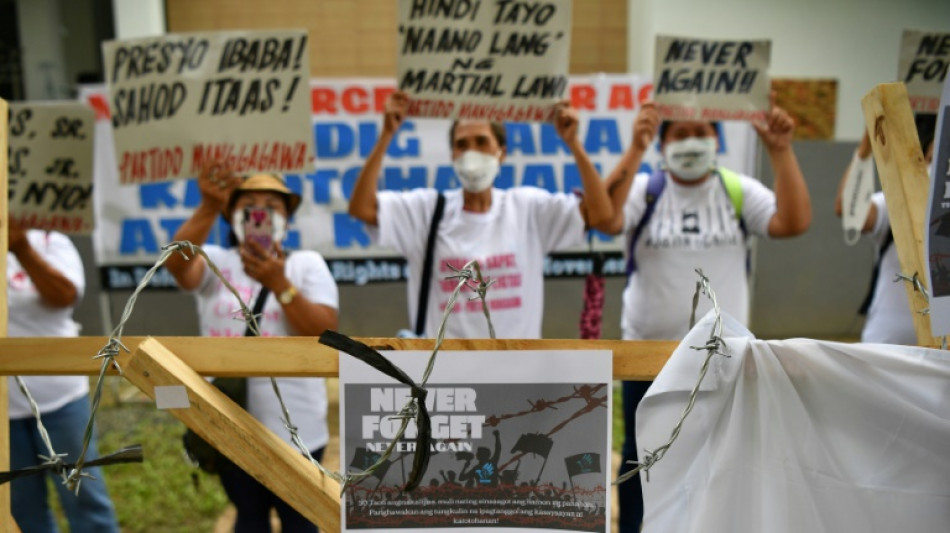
(274, 156)
(584, 96)
(100, 106)
(621, 97)
(645, 93)
(354, 99)
(153, 164)
(51, 222)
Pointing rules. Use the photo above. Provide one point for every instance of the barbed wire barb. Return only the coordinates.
(714, 346)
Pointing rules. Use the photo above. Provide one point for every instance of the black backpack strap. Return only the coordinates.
(655, 186)
(256, 311)
(876, 273)
(427, 266)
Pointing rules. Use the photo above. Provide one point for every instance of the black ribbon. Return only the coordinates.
(420, 460)
(130, 454)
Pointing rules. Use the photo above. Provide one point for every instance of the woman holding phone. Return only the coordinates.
(299, 297)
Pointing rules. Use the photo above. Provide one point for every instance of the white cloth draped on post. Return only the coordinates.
(799, 435)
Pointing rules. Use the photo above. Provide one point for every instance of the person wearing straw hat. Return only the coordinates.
(300, 297)
(45, 281)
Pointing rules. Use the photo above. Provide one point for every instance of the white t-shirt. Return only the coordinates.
(29, 317)
(510, 242)
(220, 316)
(692, 227)
(889, 320)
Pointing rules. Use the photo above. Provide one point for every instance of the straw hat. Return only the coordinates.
(264, 182)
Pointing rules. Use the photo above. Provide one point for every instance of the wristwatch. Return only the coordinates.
(287, 295)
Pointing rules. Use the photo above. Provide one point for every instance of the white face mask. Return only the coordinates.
(279, 225)
(476, 170)
(691, 158)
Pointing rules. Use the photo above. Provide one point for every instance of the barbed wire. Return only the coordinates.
(714, 346)
(53, 461)
(470, 276)
(919, 287)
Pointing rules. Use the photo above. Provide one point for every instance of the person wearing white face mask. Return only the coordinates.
(691, 214)
(299, 298)
(508, 231)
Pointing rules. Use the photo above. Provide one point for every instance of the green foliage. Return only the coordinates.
(165, 493)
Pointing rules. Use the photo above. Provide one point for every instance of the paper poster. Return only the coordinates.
(500, 61)
(50, 166)
(700, 79)
(521, 442)
(134, 221)
(856, 198)
(937, 233)
(924, 59)
(179, 100)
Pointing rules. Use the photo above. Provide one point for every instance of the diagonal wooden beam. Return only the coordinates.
(903, 174)
(238, 435)
(6, 519)
(296, 356)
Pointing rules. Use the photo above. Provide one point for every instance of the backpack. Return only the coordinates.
(731, 182)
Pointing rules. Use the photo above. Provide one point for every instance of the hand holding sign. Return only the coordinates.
(645, 126)
(778, 129)
(397, 106)
(216, 183)
(565, 122)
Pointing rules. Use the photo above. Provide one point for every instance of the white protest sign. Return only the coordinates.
(501, 61)
(923, 64)
(179, 100)
(937, 232)
(856, 197)
(50, 167)
(700, 79)
(520, 442)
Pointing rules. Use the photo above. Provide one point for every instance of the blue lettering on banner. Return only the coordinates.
(539, 175)
(192, 194)
(445, 178)
(333, 140)
(348, 181)
(336, 140)
(320, 183)
(347, 229)
(397, 148)
(520, 138)
(157, 195)
(170, 225)
(602, 134)
(551, 142)
(394, 180)
(505, 178)
(137, 236)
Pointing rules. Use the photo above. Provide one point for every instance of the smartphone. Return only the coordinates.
(259, 226)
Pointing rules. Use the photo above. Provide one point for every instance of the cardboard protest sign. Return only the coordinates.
(520, 441)
(238, 97)
(937, 233)
(501, 61)
(50, 166)
(135, 221)
(924, 59)
(700, 79)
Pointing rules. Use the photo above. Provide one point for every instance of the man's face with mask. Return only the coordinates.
(476, 154)
(689, 149)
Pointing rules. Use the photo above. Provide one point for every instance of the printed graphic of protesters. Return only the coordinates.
(692, 214)
(888, 316)
(508, 231)
(45, 281)
(300, 299)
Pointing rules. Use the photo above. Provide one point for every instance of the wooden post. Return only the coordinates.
(903, 174)
(5, 516)
(239, 436)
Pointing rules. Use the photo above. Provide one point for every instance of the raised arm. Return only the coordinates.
(215, 184)
(596, 206)
(863, 152)
(363, 204)
(53, 286)
(621, 177)
(793, 205)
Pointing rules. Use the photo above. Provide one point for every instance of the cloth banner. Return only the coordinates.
(799, 435)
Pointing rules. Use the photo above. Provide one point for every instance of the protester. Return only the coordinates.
(691, 214)
(888, 319)
(302, 300)
(508, 231)
(45, 281)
